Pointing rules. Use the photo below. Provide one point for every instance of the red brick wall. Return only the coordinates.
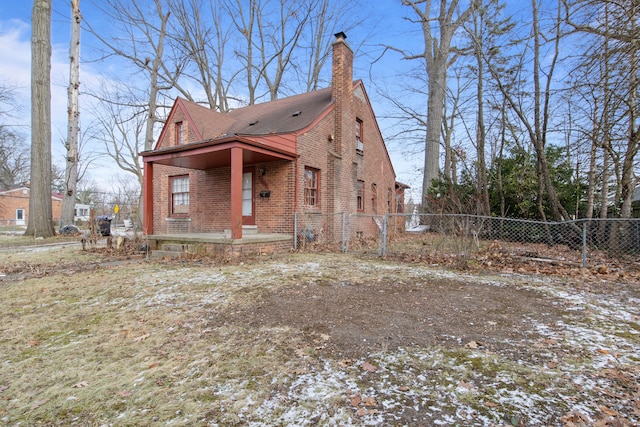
(210, 193)
(13, 200)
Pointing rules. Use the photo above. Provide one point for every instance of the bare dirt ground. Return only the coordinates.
(320, 339)
(375, 314)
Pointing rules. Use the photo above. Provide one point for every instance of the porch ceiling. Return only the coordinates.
(209, 156)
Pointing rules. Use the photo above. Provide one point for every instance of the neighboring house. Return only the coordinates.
(14, 206)
(81, 213)
(317, 153)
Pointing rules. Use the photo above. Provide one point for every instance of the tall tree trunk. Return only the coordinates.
(40, 213)
(482, 186)
(437, 58)
(71, 170)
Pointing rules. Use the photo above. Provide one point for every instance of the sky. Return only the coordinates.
(385, 25)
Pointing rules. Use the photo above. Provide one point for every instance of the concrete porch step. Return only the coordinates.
(171, 250)
(246, 230)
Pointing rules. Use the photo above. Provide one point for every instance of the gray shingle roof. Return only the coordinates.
(284, 115)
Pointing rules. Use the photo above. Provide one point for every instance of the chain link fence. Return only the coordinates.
(467, 236)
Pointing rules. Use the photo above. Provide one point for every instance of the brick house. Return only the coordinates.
(14, 206)
(316, 153)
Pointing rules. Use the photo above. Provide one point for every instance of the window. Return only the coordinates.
(374, 198)
(311, 186)
(359, 144)
(179, 195)
(360, 196)
(178, 133)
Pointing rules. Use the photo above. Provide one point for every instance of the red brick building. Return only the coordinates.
(14, 206)
(318, 153)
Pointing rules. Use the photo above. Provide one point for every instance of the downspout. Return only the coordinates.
(295, 186)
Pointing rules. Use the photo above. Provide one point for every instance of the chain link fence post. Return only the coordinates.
(584, 244)
(383, 237)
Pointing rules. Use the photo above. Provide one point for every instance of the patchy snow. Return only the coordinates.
(420, 386)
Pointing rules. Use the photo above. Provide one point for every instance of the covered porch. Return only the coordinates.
(231, 153)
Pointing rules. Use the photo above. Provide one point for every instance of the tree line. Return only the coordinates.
(529, 113)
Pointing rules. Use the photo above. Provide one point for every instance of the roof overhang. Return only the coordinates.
(216, 153)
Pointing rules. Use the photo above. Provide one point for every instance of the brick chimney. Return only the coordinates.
(341, 91)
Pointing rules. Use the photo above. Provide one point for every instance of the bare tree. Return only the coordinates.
(485, 27)
(121, 127)
(144, 47)
(615, 24)
(71, 170)
(204, 40)
(439, 23)
(40, 211)
(14, 154)
(537, 127)
(14, 159)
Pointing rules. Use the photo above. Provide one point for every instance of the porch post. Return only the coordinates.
(147, 199)
(236, 193)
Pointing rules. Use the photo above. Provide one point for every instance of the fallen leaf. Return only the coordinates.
(345, 362)
(81, 384)
(300, 352)
(607, 411)
(369, 401)
(362, 412)
(39, 403)
(125, 393)
(491, 323)
(490, 404)
(325, 337)
(552, 365)
(603, 351)
(3, 387)
(355, 400)
(141, 337)
(368, 367)
(473, 344)
(403, 388)
(466, 385)
(154, 365)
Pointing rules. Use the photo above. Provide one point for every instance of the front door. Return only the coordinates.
(248, 212)
(20, 217)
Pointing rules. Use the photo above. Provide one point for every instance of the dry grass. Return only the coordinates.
(153, 344)
(128, 343)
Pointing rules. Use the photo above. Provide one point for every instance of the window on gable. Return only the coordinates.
(311, 187)
(179, 195)
(359, 133)
(178, 133)
(360, 196)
